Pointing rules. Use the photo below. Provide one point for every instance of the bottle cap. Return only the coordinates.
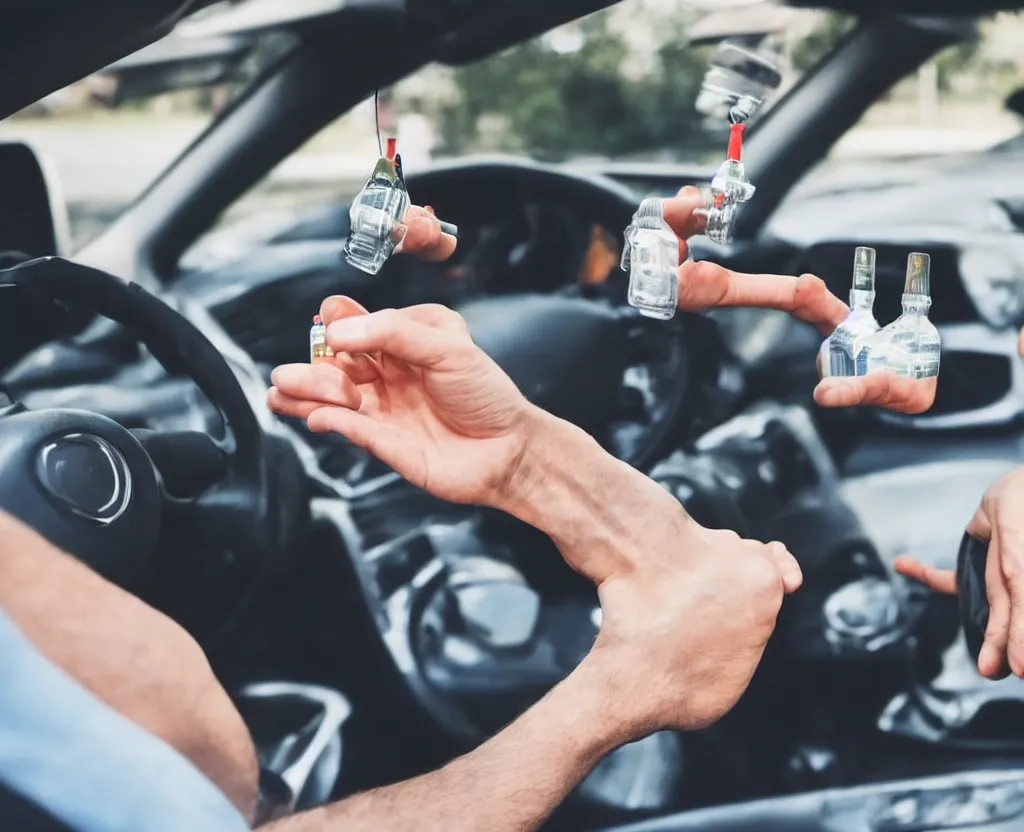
(651, 208)
(918, 270)
(736, 142)
(316, 320)
(864, 269)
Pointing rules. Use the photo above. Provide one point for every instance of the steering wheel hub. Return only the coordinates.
(87, 475)
(86, 483)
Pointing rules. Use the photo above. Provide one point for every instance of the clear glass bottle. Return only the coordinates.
(651, 256)
(729, 188)
(319, 349)
(840, 350)
(910, 345)
(376, 217)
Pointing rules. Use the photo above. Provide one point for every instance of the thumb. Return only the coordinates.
(942, 581)
(395, 334)
(789, 568)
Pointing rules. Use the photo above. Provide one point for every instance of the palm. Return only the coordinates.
(450, 429)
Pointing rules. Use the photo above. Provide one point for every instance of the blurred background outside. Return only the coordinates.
(619, 85)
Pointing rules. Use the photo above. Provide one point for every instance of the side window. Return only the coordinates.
(962, 101)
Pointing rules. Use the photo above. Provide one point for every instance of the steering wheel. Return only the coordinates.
(550, 343)
(102, 492)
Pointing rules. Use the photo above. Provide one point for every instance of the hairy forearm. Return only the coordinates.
(509, 784)
(598, 510)
(133, 658)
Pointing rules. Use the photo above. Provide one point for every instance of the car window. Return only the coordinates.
(617, 85)
(956, 103)
(107, 137)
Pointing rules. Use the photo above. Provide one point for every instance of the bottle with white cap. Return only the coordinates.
(910, 346)
(839, 352)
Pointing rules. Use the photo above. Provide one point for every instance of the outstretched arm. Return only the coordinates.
(509, 784)
(127, 654)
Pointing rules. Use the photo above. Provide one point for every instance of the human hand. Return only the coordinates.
(999, 520)
(682, 633)
(704, 285)
(424, 238)
(412, 388)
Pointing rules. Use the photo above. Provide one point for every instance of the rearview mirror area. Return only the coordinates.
(171, 64)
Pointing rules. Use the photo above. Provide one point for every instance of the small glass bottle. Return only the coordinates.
(376, 218)
(910, 345)
(651, 256)
(729, 188)
(319, 349)
(840, 350)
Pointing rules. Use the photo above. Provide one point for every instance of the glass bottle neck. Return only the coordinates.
(916, 304)
(862, 299)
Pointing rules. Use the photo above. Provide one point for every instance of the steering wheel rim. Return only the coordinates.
(180, 346)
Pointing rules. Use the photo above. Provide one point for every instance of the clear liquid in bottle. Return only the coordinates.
(841, 348)
(651, 256)
(376, 218)
(910, 346)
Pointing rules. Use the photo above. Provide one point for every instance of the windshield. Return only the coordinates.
(110, 135)
(620, 85)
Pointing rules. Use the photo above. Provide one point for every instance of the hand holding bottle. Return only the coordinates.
(704, 285)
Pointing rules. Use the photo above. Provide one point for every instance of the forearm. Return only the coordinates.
(128, 655)
(597, 509)
(509, 784)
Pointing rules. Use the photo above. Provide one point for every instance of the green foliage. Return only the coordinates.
(820, 41)
(553, 105)
(955, 60)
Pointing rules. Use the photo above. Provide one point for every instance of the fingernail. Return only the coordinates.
(831, 394)
(690, 190)
(989, 661)
(286, 374)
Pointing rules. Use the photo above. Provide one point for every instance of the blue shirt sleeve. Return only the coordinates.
(89, 767)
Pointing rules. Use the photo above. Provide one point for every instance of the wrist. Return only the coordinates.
(548, 445)
(602, 514)
(592, 712)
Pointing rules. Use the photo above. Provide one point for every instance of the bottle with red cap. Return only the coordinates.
(319, 349)
(376, 218)
(729, 188)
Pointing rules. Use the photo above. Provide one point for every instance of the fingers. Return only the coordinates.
(1008, 581)
(683, 213)
(942, 581)
(382, 440)
(340, 306)
(992, 658)
(396, 335)
(424, 238)
(878, 389)
(980, 526)
(789, 569)
(703, 285)
(436, 315)
(323, 382)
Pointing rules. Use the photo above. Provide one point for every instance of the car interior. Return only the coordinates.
(370, 632)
